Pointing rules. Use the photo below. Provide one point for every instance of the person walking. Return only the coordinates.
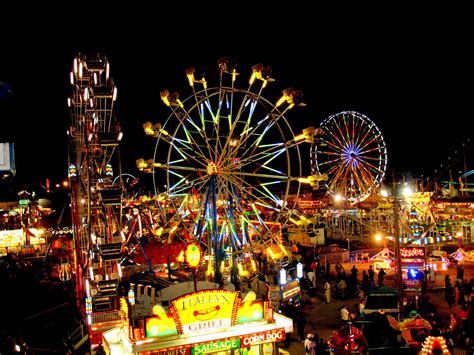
(345, 315)
(327, 291)
(300, 326)
(310, 344)
(449, 294)
(371, 273)
(459, 274)
(381, 276)
(365, 287)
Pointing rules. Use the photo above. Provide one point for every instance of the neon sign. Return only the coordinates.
(263, 337)
(205, 310)
(220, 345)
(193, 255)
(412, 252)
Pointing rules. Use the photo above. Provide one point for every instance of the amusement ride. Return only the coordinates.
(227, 177)
(231, 161)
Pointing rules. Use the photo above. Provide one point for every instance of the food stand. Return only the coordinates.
(206, 321)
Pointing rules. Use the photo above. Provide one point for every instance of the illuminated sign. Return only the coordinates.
(192, 255)
(161, 325)
(290, 289)
(251, 309)
(412, 252)
(217, 346)
(24, 202)
(412, 284)
(263, 337)
(205, 310)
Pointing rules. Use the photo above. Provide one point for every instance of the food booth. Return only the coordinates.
(211, 321)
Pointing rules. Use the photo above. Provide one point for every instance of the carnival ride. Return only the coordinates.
(351, 151)
(96, 201)
(230, 160)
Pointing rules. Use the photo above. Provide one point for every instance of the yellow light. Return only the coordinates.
(281, 101)
(271, 253)
(252, 78)
(165, 97)
(283, 249)
(190, 78)
(254, 265)
(141, 164)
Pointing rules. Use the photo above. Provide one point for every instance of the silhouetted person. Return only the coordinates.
(371, 273)
(381, 277)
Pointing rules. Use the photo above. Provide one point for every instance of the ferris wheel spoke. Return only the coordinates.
(359, 177)
(338, 142)
(256, 190)
(265, 164)
(365, 163)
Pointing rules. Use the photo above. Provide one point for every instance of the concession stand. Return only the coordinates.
(210, 321)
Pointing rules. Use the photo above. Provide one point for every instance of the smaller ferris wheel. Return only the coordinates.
(351, 152)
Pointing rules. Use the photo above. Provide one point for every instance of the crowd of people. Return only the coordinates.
(338, 284)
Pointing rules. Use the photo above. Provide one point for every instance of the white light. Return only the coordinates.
(71, 78)
(384, 193)
(282, 277)
(80, 70)
(115, 94)
(299, 270)
(407, 191)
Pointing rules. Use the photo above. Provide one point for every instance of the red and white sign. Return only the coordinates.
(263, 337)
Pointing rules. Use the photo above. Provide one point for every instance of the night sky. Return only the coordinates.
(408, 70)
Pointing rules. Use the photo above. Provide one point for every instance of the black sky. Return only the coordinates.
(409, 70)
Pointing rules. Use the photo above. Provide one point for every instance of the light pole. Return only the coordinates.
(349, 250)
(398, 261)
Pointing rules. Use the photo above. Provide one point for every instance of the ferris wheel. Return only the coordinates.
(351, 152)
(226, 162)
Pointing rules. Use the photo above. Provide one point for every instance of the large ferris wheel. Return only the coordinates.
(226, 162)
(351, 152)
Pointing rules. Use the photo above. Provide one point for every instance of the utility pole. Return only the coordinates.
(398, 261)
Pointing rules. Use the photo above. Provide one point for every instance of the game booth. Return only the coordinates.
(210, 321)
